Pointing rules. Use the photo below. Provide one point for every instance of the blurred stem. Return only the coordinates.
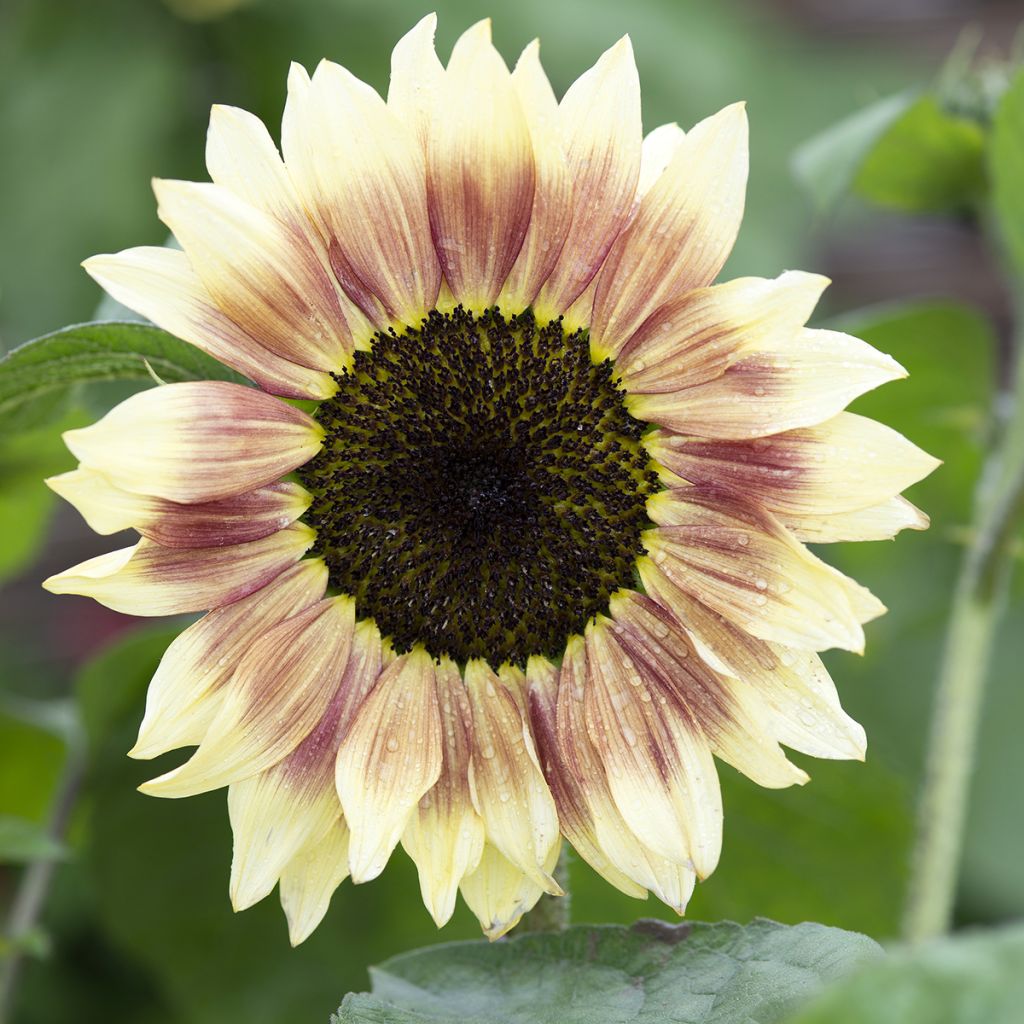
(34, 887)
(978, 603)
(552, 913)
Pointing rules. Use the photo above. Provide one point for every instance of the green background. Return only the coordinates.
(99, 97)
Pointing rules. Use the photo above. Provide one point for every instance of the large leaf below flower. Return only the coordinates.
(37, 376)
(650, 973)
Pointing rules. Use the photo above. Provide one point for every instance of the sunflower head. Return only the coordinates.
(537, 554)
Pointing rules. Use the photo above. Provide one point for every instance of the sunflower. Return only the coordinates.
(529, 552)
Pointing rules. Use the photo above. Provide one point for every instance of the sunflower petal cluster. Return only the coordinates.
(471, 187)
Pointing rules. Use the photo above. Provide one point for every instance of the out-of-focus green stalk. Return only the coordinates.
(552, 913)
(977, 608)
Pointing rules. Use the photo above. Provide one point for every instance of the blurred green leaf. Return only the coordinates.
(827, 164)
(651, 974)
(926, 161)
(22, 841)
(1006, 165)
(26, 459)
(974, 978)
(86, 353)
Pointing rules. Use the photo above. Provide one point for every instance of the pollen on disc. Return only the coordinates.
(481, 489)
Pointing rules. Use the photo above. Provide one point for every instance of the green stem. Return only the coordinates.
(34, 887)
(552, 913)
(977, 607)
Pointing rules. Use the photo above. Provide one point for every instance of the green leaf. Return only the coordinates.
(1006, 165)
(26, 459)
(968, 979)
(36, 375)
(927, 160)
(650, 973)
(827, 164)
(22, 841)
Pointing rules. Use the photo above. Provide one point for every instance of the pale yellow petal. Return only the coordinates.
(793, 684)
(499, 893)
(570, 785)
(804, 381)
(877, 522)
(287, 807)
(600, 116)
(160, 284)
(480, 171)
(389, 759)
(659, 767)
(416, 77)
(659, 146)
(445, 835)
(360, 173)
(196, 441)
(262, 275)
(695, 337)
(309, 881)
(508, 786)
(147, 579)
(278, 694)
(731, 717)
(185, 693)
(552, 197)
(683, 231)
(738, 559)
(845, 464)
(235, 520)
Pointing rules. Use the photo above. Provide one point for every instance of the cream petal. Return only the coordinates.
(499, 893)
(683, 231)
(242, 157)
(878, 522)
(185, 693)
(416, 78)
(565, 774)
(263, 276)
(552, 197)
(739, 560)
(161, 285)
(147, 579)
(196, 441)
(807, 380)
(236, 520)
(390, 758)
(508, 787)
(360, 172)
(480, 171)
(659, 146)
(659, 768)
(445, 835)
(846, 464)
(287, 807)
(793, 684)
(309, 881)
(672, 883)
(695, 337)
(600, 116)
(731, 717)
(279, 692)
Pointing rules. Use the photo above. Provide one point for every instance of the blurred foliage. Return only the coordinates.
(98, 98)
(974, 978)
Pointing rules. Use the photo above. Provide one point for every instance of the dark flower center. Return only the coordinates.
(481, 487)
